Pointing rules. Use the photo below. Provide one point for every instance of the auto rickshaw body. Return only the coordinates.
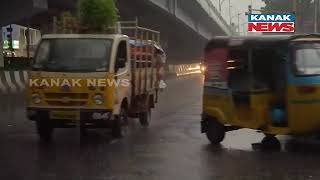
(267, 83)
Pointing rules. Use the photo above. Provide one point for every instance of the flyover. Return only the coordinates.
(15, 10)
(199, 15)
(185, 25)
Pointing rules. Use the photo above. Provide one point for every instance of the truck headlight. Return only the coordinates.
(36, 98)
(98, 99)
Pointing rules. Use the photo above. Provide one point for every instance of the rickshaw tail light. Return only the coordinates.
(306, 89)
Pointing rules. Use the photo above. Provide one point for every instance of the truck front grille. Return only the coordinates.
(66, 99)
(68, 95)
(70, 103)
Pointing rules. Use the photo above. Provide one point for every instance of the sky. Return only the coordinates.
(238, 6)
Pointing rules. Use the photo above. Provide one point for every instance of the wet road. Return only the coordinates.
(172, 148)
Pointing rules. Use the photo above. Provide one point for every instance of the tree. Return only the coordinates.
(304, 11)
(97, 14)
(287, 5)
(274, 6)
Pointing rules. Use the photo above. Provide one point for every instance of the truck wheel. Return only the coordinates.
(215, 131)
(118, 125)
(45, 131)
(145, 118)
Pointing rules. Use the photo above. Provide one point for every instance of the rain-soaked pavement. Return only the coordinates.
(172, 148)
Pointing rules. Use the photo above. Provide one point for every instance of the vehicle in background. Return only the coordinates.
(267, 83)
(116, 79)
(19, 41)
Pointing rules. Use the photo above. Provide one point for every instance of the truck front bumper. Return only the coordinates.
(83, 115)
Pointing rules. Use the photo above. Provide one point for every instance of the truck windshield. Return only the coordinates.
(307, 59)
(73, 55)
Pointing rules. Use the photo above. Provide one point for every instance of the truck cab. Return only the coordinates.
(91, 81)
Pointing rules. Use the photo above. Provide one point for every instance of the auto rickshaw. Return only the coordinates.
(266, 83)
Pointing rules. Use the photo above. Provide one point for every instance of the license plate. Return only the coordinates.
(65, 115)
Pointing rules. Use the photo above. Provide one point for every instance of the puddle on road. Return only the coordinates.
(250, 140)
(242, 139)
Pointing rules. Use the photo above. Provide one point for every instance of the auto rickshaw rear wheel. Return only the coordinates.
(215, 131)
(270, 142)
(44, 130)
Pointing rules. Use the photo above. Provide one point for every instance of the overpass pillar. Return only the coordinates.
(1, 50)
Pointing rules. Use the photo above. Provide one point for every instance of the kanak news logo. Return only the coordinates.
(271, 23)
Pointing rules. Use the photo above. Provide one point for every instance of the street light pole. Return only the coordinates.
(316, 3)
(28, 39)
(295, 10)
(239, 22)
(220, 5)
(230, 12)
(243, 30)
(238, 15)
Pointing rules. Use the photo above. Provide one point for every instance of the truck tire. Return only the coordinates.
(119, 123)
(44, 130)
(215, 131)
(145, 118)
(270, 142)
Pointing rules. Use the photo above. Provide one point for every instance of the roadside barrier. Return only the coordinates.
(13, 81)
(12, 100)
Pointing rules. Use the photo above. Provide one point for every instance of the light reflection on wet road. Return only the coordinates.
(172, 148)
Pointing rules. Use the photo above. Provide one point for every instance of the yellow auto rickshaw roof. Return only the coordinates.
(251, 41)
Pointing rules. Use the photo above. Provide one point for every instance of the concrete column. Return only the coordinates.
(1, 50)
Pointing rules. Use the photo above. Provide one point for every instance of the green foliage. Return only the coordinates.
(287, 5)
(67, 14)
(97, 14)
(304, 11)
(282, 5)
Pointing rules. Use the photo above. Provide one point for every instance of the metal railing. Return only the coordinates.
(143, 51)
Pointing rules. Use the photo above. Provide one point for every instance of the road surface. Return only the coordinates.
(171, 148)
